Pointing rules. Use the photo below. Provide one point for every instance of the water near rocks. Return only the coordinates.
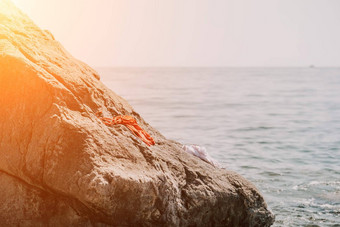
(278, 127)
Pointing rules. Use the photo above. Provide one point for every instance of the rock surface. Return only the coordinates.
(61, 166)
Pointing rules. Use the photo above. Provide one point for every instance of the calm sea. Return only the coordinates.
(278, 127)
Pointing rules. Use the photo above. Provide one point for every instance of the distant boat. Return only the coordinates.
(311, 66)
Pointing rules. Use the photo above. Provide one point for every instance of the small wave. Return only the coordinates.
(300, 187)
(324, 183)
(245, 129)
(271, 174)
(330, 206)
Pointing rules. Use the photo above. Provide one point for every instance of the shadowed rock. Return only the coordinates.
(61, 166)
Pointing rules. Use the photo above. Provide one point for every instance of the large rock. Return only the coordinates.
(61, 166)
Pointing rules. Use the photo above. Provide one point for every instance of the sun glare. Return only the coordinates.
(25, 6)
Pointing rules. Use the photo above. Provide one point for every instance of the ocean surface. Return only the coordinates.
(278, 127)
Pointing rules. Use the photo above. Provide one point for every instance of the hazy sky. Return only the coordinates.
(193, 32)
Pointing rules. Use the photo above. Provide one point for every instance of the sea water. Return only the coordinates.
(278, 127)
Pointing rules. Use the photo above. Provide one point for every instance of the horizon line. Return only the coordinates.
(310, 66)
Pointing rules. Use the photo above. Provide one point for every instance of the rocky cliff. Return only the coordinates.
(61, 166)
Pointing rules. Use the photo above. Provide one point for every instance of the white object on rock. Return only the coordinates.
(200, 152)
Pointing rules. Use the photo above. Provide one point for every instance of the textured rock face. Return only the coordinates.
(61, 166)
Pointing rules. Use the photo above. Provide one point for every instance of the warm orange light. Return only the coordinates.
(21, 4)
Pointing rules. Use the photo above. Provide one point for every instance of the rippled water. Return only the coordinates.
(278, 127)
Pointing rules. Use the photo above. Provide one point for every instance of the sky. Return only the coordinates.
(193, 33)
